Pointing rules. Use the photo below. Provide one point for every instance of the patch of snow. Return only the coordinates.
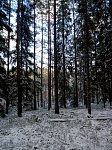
(45, 130)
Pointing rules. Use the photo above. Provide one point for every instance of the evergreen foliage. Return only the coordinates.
(76, 35)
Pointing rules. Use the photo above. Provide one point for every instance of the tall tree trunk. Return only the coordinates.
(42, 64)
(7, 99)
(26, 78)
(49, 58)
(97, 89)
(76, 84)
(55, 64)
(63, 52)
(109, 83)
(110, 8)
(22, 34)
(84, 69)
(21, 52)
(104, 63)
(87, 45)
(111, 90)
(34, 63)
(52, 81)
(18, 61)
(104, 84)
(84, 85)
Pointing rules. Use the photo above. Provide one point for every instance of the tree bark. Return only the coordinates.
(35, 104)
(55, 64)
(63, 52)
(7, 99)
(76, 84)
(49, 58)
(87, 45)
(18, 61)
(42, 65)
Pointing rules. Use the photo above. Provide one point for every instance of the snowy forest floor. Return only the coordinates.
(45, 130)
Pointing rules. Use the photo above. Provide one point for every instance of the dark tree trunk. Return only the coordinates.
(85, 85)
(55, 64)
(21, 52)
(7, 99)
(109, 84)
(104, 63)
(87, 45)
(18, 61)
(104, 84)
(96, 82)
(111, 90)
(63, 52)
(22, 15)
(110, 10)
(34, 63)
(26, 78)
(76, 84)
(52, 81)
(49, 58)
(42, 65)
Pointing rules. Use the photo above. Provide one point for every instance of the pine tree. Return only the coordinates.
(63, 48)
(4, 46)
(18, 61)
(49, 57)
(76, 84)
(42, 62)
(8, 52)
(87, 57)
(27, 56)
(63, 52)
(55, 64)
(34, 58)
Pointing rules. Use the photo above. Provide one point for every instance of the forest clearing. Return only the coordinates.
(69, 130)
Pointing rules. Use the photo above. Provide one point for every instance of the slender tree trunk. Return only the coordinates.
(18, 61)
(21, 52)
(7, 99)
(34, 63)
(104, 63)
(87, 58)
(84, 69)
(111, 90)
(42, 65)
(55, 64)
(80, 82)
(22, 34)
(26, 78)
(84, 85)
(96, 71)
(63, 51)
(104, 84)
(110, 10)
(49, 58)
(109, 83)
(52, 82)
(76, 84)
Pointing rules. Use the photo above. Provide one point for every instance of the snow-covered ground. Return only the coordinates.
(45, 130)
